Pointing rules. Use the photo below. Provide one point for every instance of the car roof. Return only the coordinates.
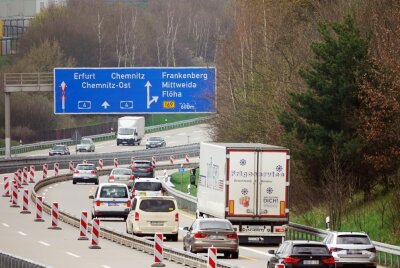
(119, 168)
(112, 184)
(350, 233)
(213, 219)
(147, 179)
(87, 164)
(308, 242)
(163, 197)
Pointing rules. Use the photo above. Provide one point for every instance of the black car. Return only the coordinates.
(298, 253)
(142, 169)
(154, 142)
(59, 149)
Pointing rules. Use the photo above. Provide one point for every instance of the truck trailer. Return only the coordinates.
(248, 184)
(130, 130)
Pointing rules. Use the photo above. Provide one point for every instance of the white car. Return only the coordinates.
(147, 187)
(111, 200)
(86, 145)
(154, 214)
(351, 248)
(122, 175)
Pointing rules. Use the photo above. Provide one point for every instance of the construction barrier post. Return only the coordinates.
(14, 196)
(115, 162)
(32, 174)
(56, 169)
(100, 163)
(44, 171)
(6, 186)
(153, 161)
(212, 257)
(187, 158)
(95, 234)
(39, 209)
(158, 251)
(71, 167)
(25, 202)
(54, 217)
(83, 226)
(25, 176)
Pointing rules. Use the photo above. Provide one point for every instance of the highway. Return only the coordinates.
(32, 240)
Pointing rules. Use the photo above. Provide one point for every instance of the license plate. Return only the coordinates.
(256, 228)
(215, 237)
(113, 204)
(142, 194)
(157, 223)
(308, 262)
(354, 251)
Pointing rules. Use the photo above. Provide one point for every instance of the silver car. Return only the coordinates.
(208, 232)
(351, 248)
(86, 145)
(85, 173)
(122, 175)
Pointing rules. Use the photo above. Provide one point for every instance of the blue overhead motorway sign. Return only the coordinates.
(134, 90)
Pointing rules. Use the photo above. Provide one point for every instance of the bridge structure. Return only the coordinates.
(22, 82)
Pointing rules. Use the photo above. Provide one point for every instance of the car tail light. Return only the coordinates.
(133, 168)
(200, 235)
(232, 236)
(98, 203)
(149, 169)
(291, 260)
(136, 216)
(76, 171)
(373, 250)
(111, 178)
(94, 172)
(128, 204)
(329, 260)
(131, 178)
(177, 216)
(279, 229)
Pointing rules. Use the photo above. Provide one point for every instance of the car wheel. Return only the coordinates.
(73, 182)
(125, 217)
(127, 230)
(96, 182)
(191, 250)
(235, 255)
(227, 254)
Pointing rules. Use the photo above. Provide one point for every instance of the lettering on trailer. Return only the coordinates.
(277, 173)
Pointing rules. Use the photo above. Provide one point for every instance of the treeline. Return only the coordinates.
(93, 33)
(322, 78)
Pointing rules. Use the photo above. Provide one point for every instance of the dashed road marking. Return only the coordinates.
(44, 243)
(6, 225)
(72, 254)
(255, 251)
(23, 234)
(105, 266)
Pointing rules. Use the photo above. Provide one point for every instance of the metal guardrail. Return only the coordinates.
(134, 242)
(102, 137)
(8, 260)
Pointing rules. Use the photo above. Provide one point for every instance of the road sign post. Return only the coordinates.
(134, 90)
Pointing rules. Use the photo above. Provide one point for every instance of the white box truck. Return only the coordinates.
(248, 184)
(130, 130)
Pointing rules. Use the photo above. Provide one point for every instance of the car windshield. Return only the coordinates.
(154, 205)
(142, 164)
(207, 225)
(85, 141)
(310, 249)
(155, 139)
(125, 131)
(124, 171)
(353, 239)
(59, 147)
(85, 167)
(113, 192)
(148, 186)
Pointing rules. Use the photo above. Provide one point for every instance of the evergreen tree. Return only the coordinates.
(323, 117)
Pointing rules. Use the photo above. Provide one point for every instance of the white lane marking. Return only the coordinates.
(44, 194)
(105, 266)
(55, 185)
(23, 234)
(46, 189)
(50, 187)
(6, 225)
(181, 134)
(72, 254)
(255, 251)
(44, 243)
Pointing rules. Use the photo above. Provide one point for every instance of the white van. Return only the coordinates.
(153, 214)
(147, 187)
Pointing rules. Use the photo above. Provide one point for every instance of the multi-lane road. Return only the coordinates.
(29, 239)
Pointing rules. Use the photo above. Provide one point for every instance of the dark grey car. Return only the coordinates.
(154, 142)
(205, 233)
(142, 169)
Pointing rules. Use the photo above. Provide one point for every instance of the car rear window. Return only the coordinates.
(113, 192)
(122, 171)
(204, 225)
(85, 167)
(142, 164)
(353, 239)
(310, 249)
(157, 205)
(148, 186)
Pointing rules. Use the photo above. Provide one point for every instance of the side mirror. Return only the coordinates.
(91, 196)
(186, 229)
(271, 251)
